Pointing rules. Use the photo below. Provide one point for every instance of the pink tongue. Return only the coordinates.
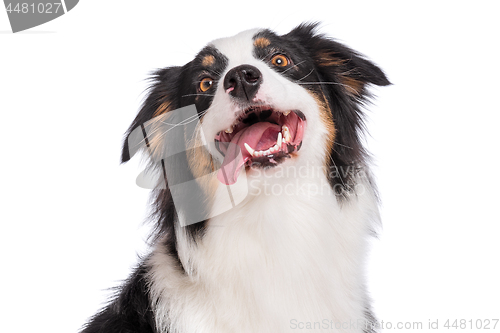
(237, 154)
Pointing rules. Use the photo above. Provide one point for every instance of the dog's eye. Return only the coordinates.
(206, 84)
(280, 60)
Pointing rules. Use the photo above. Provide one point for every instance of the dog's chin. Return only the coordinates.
(260, 137)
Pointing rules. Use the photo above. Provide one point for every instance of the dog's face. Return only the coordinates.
(265, 100)
(259, 105)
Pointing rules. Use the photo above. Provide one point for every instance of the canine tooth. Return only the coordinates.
(286, 133)
(229, 130)
(249, 149)
(280, 138)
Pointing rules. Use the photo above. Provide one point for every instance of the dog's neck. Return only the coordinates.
(305, 249)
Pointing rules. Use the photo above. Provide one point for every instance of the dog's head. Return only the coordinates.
(264, 100)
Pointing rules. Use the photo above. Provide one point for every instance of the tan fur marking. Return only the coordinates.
(164, 107)
(208, 60)
(262, 42)
(327, 120)
(155, 130)
(201, 163)
(353, 86)
(328, 59)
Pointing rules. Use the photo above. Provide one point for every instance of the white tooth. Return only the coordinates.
(286, 133)
(286, 113)
(250, 150)
(229, 130)
(280, 138)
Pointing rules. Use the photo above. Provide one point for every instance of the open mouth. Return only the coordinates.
(264, 136)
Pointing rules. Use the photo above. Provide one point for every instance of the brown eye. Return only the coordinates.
(206, 84)
(280, 60)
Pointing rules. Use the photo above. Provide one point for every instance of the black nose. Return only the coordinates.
(244, 80)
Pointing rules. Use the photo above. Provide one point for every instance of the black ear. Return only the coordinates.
(162, 97)
(337, 63)
(342, 76)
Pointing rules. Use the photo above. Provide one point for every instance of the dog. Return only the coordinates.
(262, 198)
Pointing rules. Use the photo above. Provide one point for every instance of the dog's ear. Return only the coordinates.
(342, 76)
(162, 97)
(337, 63)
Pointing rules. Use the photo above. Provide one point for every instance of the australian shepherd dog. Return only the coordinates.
(262, 200)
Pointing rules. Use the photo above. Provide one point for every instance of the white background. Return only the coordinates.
(72, 218)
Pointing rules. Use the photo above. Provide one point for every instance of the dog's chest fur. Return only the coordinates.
(269, 264)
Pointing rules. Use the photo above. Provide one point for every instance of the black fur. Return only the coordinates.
(129, 312)
(321, 60)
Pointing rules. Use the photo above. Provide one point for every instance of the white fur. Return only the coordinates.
(290, 254)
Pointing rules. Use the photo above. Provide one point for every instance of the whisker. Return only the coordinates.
(217, 73)
(197, 95)
(312, 70)
(336, 167)
(322, 83)
(184, 122)
(293, 66)
(187, 120)
(335, 83)
(342, 145)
